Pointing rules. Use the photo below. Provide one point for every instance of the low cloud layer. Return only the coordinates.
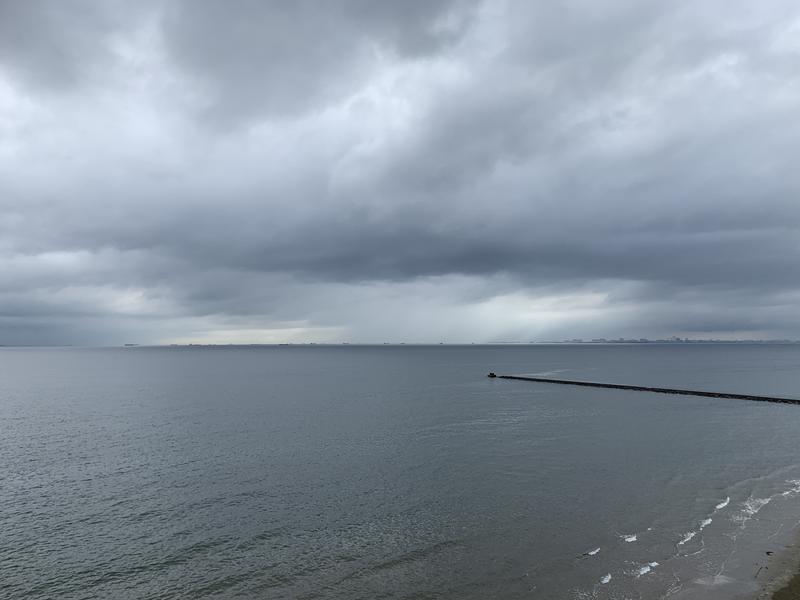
(402, 171)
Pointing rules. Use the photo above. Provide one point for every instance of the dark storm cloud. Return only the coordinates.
(59, 44)
(277, 58)
(368, 170)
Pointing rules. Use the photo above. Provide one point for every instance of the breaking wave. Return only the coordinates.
(691, 534)
(687, 538)
(645, 569)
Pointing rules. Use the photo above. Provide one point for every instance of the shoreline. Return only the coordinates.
(782, 580)
(791, 590)
(784, 583)
(763, 562)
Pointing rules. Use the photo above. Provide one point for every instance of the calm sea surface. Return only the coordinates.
(393, 472)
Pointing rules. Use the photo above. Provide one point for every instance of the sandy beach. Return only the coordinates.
(785, 576)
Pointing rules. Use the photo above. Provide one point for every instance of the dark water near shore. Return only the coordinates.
(392, 472)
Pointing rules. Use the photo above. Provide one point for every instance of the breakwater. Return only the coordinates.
(643, 388)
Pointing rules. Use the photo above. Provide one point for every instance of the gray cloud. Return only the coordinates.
(48, 44)
(454, 170)
(275, 58)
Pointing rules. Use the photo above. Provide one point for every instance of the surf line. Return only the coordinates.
(643, 388)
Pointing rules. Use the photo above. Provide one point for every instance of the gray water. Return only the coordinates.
(392, 472)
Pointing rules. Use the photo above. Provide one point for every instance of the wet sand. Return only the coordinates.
(780, 576)
(786, 586)
(791, 591)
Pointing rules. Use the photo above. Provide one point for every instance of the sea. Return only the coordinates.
(366, 472)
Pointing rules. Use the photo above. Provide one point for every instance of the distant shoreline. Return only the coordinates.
(426, 344)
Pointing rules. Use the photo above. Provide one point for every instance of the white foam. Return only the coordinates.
(593, 552)
(795, 489)
(750, 508)
(547, 373)
(714, 580)
(723, 504)
(687, 537)
(753, 505)
(629, 537)
(605, 578)
(705, 523)
(645, 569)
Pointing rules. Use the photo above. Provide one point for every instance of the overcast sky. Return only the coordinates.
(424, 170)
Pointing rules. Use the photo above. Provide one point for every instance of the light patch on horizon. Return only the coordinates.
(249, 336)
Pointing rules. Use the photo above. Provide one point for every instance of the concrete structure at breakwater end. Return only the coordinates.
(642, 388)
